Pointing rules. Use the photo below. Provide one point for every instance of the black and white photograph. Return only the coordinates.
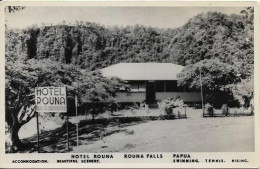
(129, 79)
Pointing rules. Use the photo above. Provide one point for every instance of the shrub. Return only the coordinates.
(209, 109)
(167, 106)
(225, 109)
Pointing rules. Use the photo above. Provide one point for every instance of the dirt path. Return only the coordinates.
(196, 134)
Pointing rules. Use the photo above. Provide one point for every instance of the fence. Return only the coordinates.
(231, 112)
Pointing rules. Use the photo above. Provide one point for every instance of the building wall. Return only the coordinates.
(130, 97)
(140, 97)
(186, 96)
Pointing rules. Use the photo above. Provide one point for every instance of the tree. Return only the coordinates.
(18, 99)
(96, 93)
(205, 36)
(244, 92)
(216, 75)
(22, 76)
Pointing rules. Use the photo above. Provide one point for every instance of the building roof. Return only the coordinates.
(143, 71)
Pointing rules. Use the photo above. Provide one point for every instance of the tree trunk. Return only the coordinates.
(15, 137)
(14, 143)
(17, 120)
(93, 117)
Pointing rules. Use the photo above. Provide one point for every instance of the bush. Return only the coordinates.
(168, 106)
(224, 109)
(209, 110)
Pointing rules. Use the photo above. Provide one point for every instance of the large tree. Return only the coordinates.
(215, 76)
(22, 76)
(96, 93)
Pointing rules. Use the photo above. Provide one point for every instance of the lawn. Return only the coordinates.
(195, 134)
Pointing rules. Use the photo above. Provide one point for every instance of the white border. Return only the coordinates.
(253, 157)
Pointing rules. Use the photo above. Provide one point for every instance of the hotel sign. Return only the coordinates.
(51, 99)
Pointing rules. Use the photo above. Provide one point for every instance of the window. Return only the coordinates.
(134, 87)
(137, 86)
(142, 87)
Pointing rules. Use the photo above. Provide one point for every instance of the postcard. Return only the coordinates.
(118, 84)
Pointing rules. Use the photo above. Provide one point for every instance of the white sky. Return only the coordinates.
(161, 17)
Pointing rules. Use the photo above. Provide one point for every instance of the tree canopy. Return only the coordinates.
(225, 54)
(92, 46)
(22, 76)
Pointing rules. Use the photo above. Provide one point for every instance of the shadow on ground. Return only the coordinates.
(56, 140)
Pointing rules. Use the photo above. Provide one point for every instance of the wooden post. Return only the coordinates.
(38, 135)
(185, 112)
(76, 104)
(68, 132)
(68, 148)
(201, 92)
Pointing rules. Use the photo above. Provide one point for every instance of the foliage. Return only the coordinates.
(168, 105)
(215, 75)
(96, 93)
(244, 92)
(224, 43)
(209, 110)
(206, 36)
(224, 52)
(224, 109)
(22, 76)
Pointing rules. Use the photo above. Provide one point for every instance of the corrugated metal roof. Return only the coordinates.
(143, 71)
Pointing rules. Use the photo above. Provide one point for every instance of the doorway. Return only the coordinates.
(150, 92)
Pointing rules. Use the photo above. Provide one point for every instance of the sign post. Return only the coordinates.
(68, 141)
(76, 104)
(51, 99)
(38, 135)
